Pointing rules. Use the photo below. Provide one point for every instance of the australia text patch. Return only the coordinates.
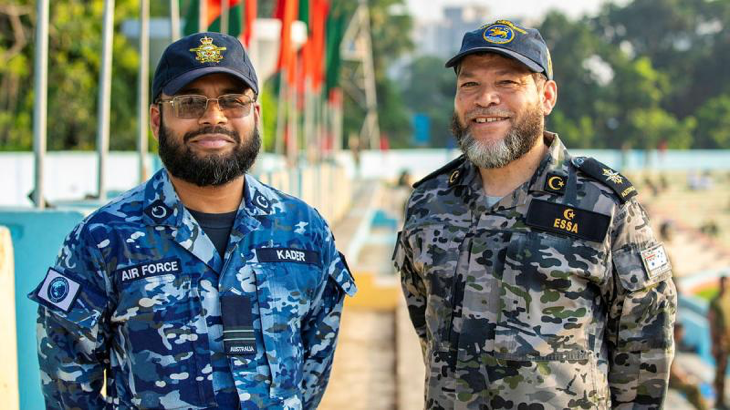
(149, 269)
(238, 333)
(59, 290)
(287, 255)
(655, 261)
(568, 220)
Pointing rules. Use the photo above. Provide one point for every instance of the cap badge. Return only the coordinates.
(499, 34)
(613, 176)
(207, 51)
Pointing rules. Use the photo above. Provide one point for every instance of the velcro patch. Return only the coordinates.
(555, 183)
(568, 220)
(655, 261)
(238, 333)
(149, 269)
(287, 255)
(59, 290)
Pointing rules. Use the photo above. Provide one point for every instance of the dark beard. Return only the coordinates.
(518, 141)
(211, 170)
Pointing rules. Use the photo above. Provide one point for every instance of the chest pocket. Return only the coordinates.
(165, 350)
(437, 250)
(549, 297)
(284, 291)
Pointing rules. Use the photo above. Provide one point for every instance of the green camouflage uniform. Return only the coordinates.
(558, 296)
(720, 334)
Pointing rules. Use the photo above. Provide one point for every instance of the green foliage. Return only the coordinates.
(429, 89)
(75, 44)
(574, 133)
(653, 125)
(268, 101)
(390, 33)
(713, 123)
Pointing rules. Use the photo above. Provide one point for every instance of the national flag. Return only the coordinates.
(335, 32)
(286, 11)
(237, 26)
(250, 16)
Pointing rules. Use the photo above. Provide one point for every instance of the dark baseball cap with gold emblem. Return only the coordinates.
(201, 54)
(525, 45)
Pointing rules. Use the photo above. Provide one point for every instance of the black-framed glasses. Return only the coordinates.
(195, 106)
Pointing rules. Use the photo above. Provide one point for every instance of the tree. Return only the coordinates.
(429, 89)
(74, 62)
(713, 123)
(390, 31)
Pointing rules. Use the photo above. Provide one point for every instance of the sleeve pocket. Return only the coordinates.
(343, 276)
(83, 316)
(632, 272)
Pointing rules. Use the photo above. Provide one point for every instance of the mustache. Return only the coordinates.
(482, 112)
(210, 129)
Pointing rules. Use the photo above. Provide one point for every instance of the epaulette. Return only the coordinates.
(450, 167)
(607, 176)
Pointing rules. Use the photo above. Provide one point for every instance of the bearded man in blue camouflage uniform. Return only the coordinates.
(203, 287)
(533, 279)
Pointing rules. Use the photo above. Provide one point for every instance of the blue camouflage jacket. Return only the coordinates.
(140, 298)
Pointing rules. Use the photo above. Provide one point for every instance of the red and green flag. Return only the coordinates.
(335, 32)
(287, 11)
(241, 15)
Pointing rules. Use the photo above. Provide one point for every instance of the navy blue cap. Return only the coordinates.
(201, 54)
(506, 38)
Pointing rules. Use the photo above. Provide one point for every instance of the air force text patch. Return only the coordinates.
(655, 261)
(149, 269)
(58, 290)
(287, 255)
(568, 220)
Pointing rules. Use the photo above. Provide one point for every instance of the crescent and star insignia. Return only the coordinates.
(555, 183)
(158, 211)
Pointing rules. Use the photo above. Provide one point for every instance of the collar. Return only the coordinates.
(259, 199)
(552, 174)
(553, 168)
(162, 206)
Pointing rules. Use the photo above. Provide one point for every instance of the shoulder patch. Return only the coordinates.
(607, 176)
(58, 290)
(450, 168)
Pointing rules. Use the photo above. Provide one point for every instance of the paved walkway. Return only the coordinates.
(378, 362)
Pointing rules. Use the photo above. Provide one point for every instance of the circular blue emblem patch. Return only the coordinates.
(499, 34)
(58, 289)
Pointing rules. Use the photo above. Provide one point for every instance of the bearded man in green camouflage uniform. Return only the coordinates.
(718, 315)
(533, 278)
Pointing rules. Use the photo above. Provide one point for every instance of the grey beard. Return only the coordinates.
(518, 142)
(496, 154)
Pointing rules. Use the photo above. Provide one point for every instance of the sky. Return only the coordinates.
(429, 10)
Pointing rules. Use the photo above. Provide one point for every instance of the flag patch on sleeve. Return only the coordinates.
(58, 290)
(655, 261)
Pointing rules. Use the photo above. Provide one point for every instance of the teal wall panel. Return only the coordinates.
(37, 236)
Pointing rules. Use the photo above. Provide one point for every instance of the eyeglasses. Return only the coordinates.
(195, 106)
